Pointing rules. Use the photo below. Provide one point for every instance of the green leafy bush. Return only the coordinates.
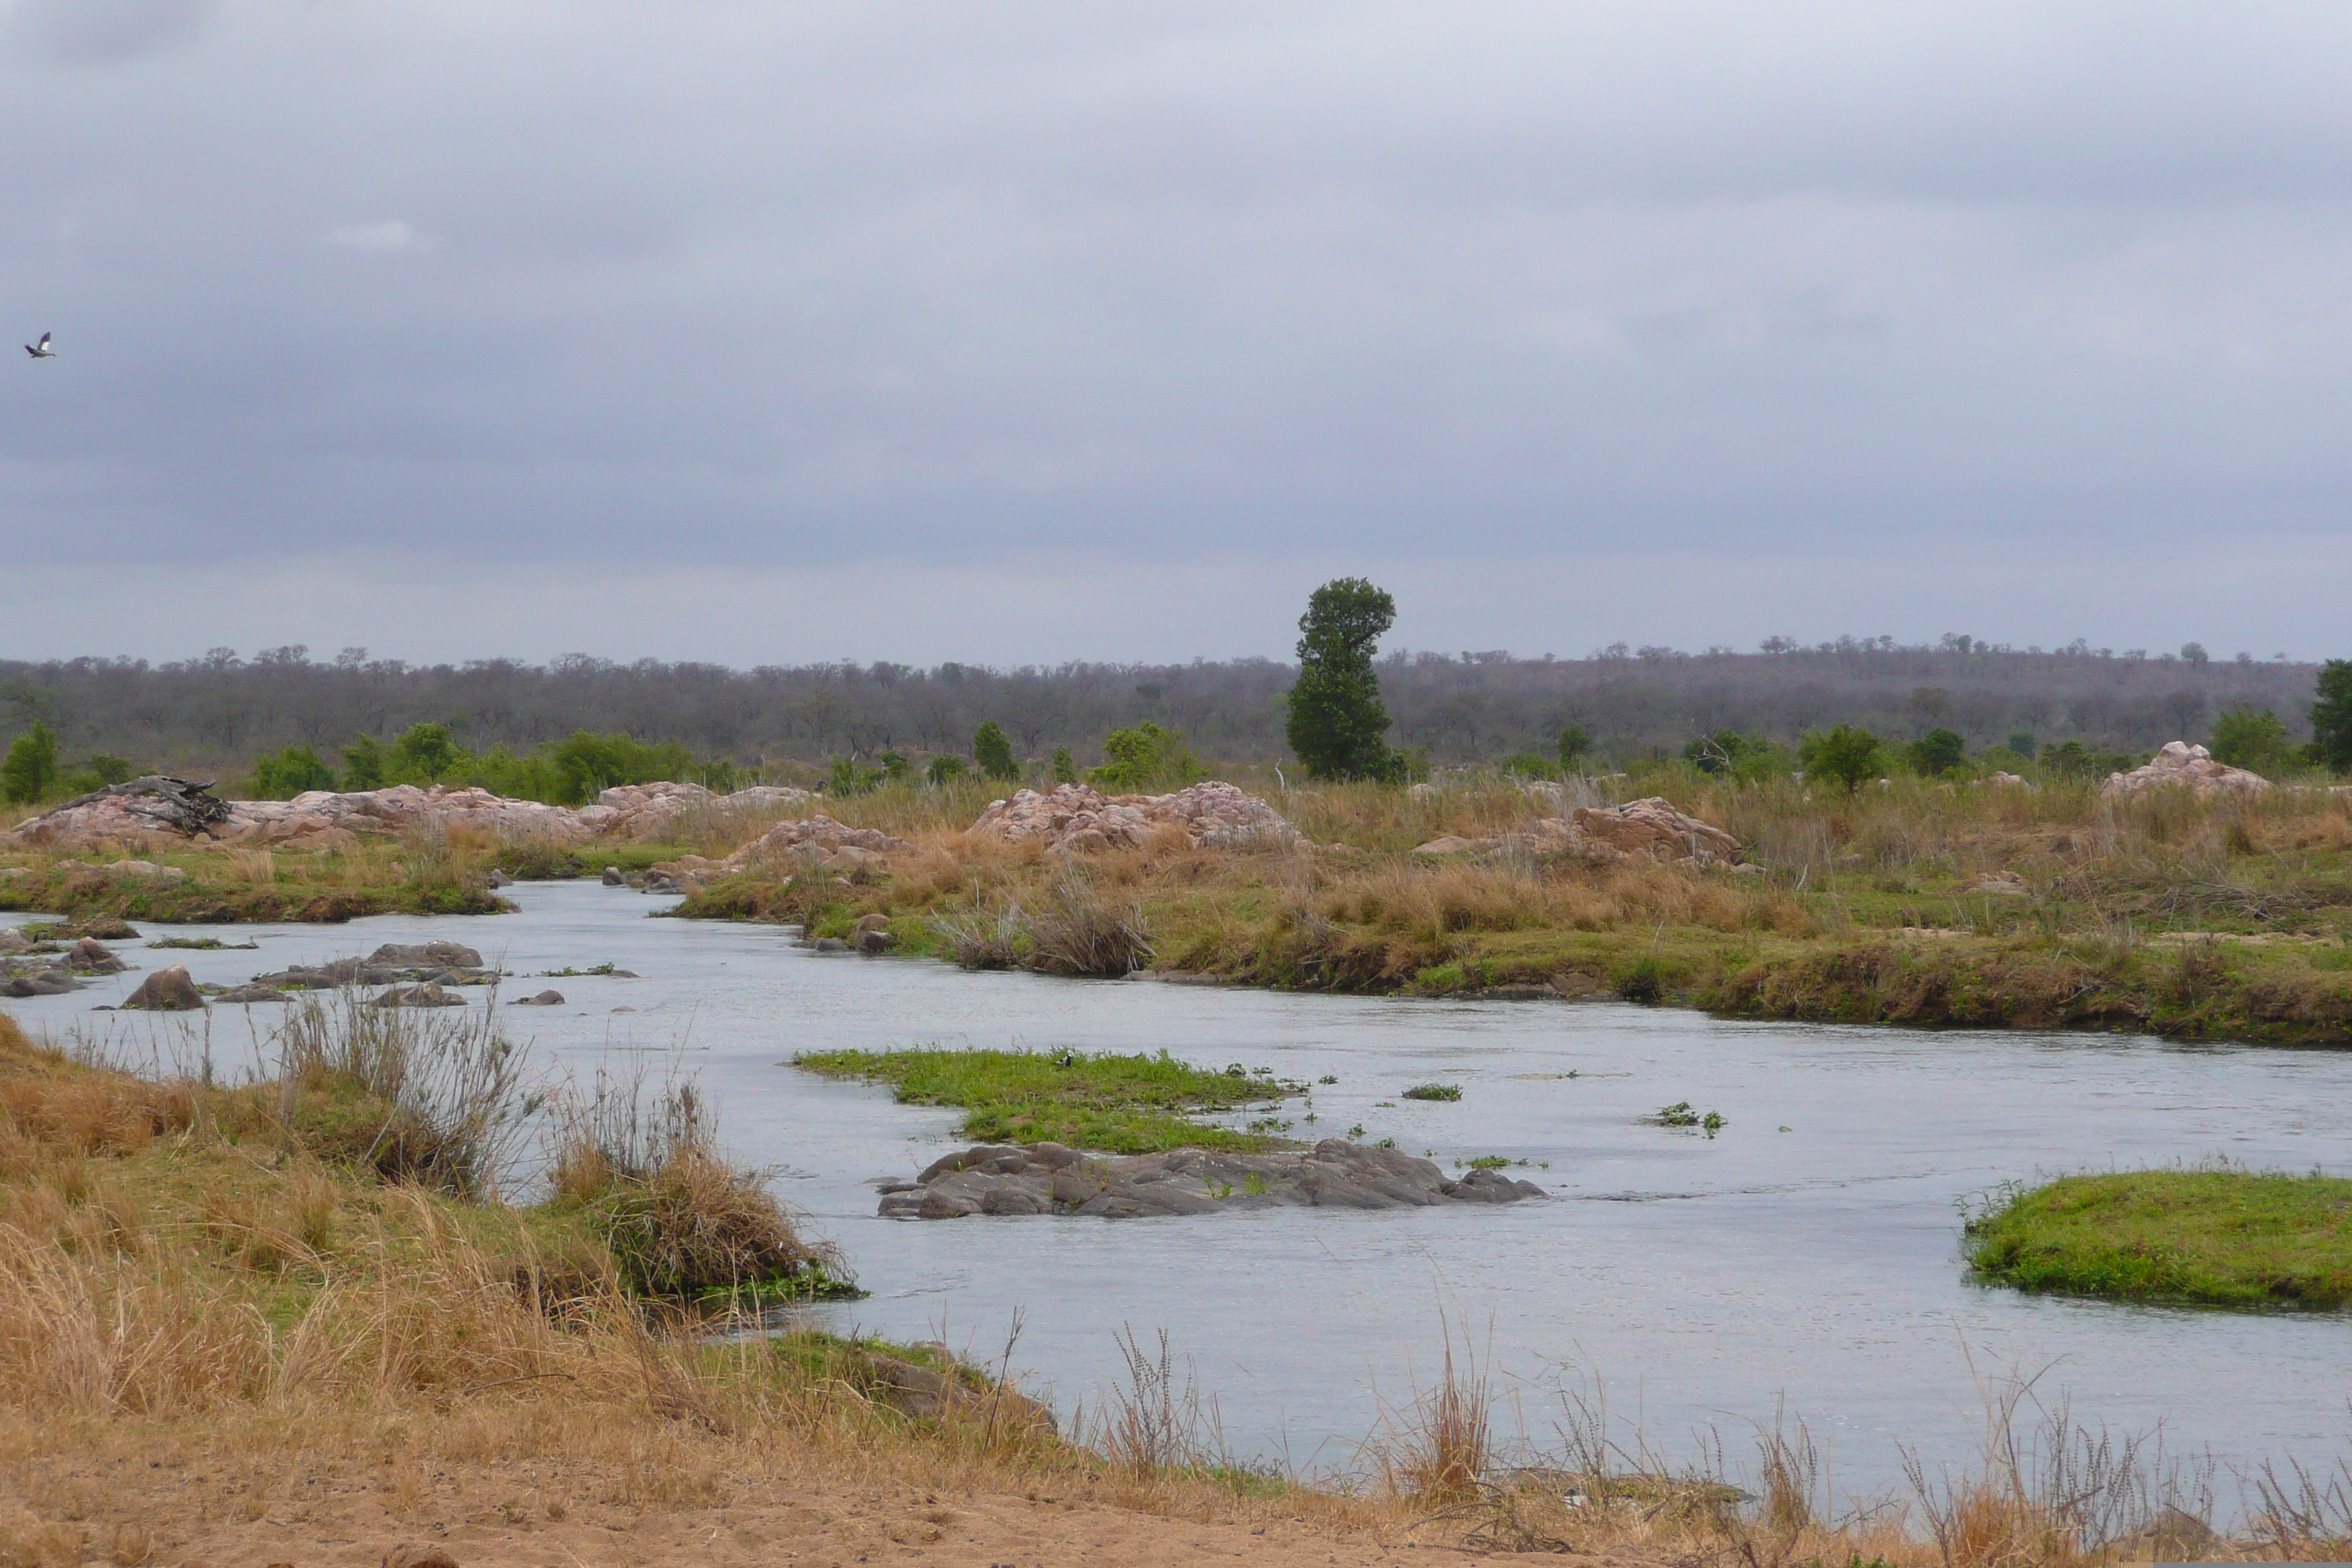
(1146, 757)
(1847, 754)
(31, 767)
(944, 770)
(992, 749)
(282, 776)
(1937, 753)
(1575, 745)
(1066, 767)
(2245, 737)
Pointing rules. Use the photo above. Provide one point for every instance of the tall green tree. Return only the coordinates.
(1338, 726)
(1938, 752)
(31, 767)
(992, 749)
(2331, 717)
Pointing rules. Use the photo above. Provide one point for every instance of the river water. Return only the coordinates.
(1807, 1258)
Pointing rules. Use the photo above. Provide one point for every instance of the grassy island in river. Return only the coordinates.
(2222, 1238)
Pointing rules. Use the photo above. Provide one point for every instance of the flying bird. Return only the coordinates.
(41, 351)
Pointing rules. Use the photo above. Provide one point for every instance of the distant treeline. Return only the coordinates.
(220, 712)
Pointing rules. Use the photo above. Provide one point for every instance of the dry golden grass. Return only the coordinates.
(210, 1341)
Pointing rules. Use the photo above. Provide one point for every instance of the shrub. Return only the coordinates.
(1575, 745)
(1528, 765)
(2245, 737)
(1337, 724)
(992, 749)
(945, 770)
(896, 767)
(588, 763)
(847, 778)
(108, 769)
(417, 1094)
(679, 1219)
(363, 764)
(1144, 757)
(1066, 767)
(1848, 754)
(282, 776)
(2022, 742)
(31, 766)
(1937, 753)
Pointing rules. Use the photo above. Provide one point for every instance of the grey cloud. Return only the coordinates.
(826, 288)
(109, 32)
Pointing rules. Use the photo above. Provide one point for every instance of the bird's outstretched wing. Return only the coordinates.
(45, 342)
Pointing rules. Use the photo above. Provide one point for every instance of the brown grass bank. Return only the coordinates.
(1966, 904)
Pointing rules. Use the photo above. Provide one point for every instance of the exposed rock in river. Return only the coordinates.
(2191, 767)
(166, 991)
(1050, 1178)
(1214, 815)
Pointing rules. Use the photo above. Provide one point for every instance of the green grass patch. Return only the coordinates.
(1116, 1104)
(1433, 1091)
(2229, 1238)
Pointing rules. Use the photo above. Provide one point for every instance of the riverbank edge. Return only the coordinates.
(2211, 991)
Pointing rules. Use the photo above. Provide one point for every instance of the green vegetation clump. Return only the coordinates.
(31, 766)
(2225, 1238)
(1145, 757)
(2331, 717)
(1447, 1091)
(992, 749)
(2248, 737)
(1113, 1103)
(282, 776)
(1847, 754)
(1337, 724)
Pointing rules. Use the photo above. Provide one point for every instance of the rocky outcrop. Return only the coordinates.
(808, 843)
(651, 811)
(548, 998)
(2189, 767)
(166, 991)
(1050, 1178)
(1651, 828)
(1214, 815)
(157, 807)
(159, 811)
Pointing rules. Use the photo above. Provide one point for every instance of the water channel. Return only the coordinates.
(1807, 1256)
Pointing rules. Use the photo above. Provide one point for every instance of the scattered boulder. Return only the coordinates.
(873, 935)
(1655, 828)
(2011, 781)
(548, 998)
(92, 956)
(1454, 844)
(12, 941)
(925, 1393)
(1073, 817)
(613, 878)
(40, 983)
(2191, 767)
(427, 993)
(145, 872)
(248, 995)
(1050, 1178)
(166, 991)
(427, 955)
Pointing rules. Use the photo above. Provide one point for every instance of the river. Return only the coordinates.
(1805, 1259)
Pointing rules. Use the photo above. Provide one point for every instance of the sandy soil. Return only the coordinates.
(346, 1514)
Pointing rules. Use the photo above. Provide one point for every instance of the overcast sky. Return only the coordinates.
(764, 332)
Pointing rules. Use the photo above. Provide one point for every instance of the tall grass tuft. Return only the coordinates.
(437, 1096)
(644, 1166)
